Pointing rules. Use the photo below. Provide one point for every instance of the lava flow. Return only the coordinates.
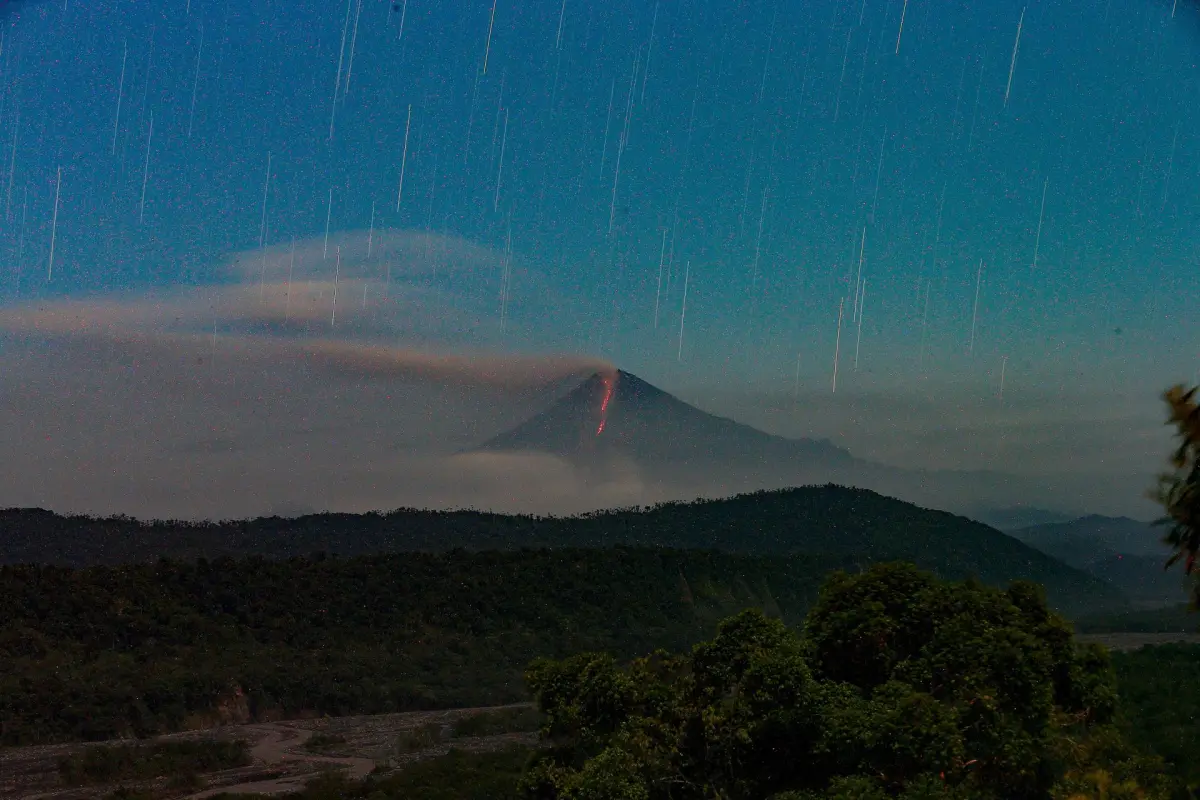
(609, 386)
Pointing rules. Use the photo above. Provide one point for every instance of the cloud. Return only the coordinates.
(423, 286)
(402, 254)
(240, 398)
(254, 396)
(388, 334)
(365, 361)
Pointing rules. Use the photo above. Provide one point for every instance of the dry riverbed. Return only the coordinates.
(282, 759)
(1134, 641)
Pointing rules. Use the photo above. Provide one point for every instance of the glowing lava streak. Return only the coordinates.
(608, 393)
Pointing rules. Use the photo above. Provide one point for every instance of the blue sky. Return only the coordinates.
(763, 137)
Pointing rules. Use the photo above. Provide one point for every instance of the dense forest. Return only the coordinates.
(897, 685)
(1179, 618)
(1160, 702)
(817, 520)
(150, 648)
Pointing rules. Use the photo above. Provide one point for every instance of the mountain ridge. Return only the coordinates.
(1121, 534)
(814, 520)
(1123, 552)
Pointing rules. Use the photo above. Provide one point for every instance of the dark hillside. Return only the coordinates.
(855, 524)
(1123, 552)
(1115, 534)
(107, 652)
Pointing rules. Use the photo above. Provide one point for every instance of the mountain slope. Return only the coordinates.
(619, 413)
(1013, 518)
(1123, 552)
(816, 520)
(1118, 534)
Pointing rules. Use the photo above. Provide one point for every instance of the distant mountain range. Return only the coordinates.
(1016, 517)
(1123, 552)
(851, 525)
(1088, 536)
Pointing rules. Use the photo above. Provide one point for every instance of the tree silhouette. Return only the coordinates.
(1178, 491)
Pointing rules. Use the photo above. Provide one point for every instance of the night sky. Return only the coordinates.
(539, 177)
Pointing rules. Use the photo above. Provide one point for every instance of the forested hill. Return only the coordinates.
(133, 650)
(857, 524)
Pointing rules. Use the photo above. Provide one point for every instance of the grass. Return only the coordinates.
(325, 743)
(125, 793)
(495, 723)
(180, 760)
(418, 739)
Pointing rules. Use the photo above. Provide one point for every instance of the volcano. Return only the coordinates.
(615, 426)
(619, 414)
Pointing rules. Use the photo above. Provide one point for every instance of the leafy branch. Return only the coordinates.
(1178, 491)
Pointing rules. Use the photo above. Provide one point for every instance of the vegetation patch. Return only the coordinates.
(418, 739)
(1160, 703)
(500, 721)
(899, 686)
(126, 793)
(181, 760)
(325, 744)
(1173, 619)
(457, 775)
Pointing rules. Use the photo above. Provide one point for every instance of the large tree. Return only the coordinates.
(900, 685)
(1179, 490)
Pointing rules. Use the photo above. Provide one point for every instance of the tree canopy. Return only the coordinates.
(110, 652)
(899, 685)
(1178, 491)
